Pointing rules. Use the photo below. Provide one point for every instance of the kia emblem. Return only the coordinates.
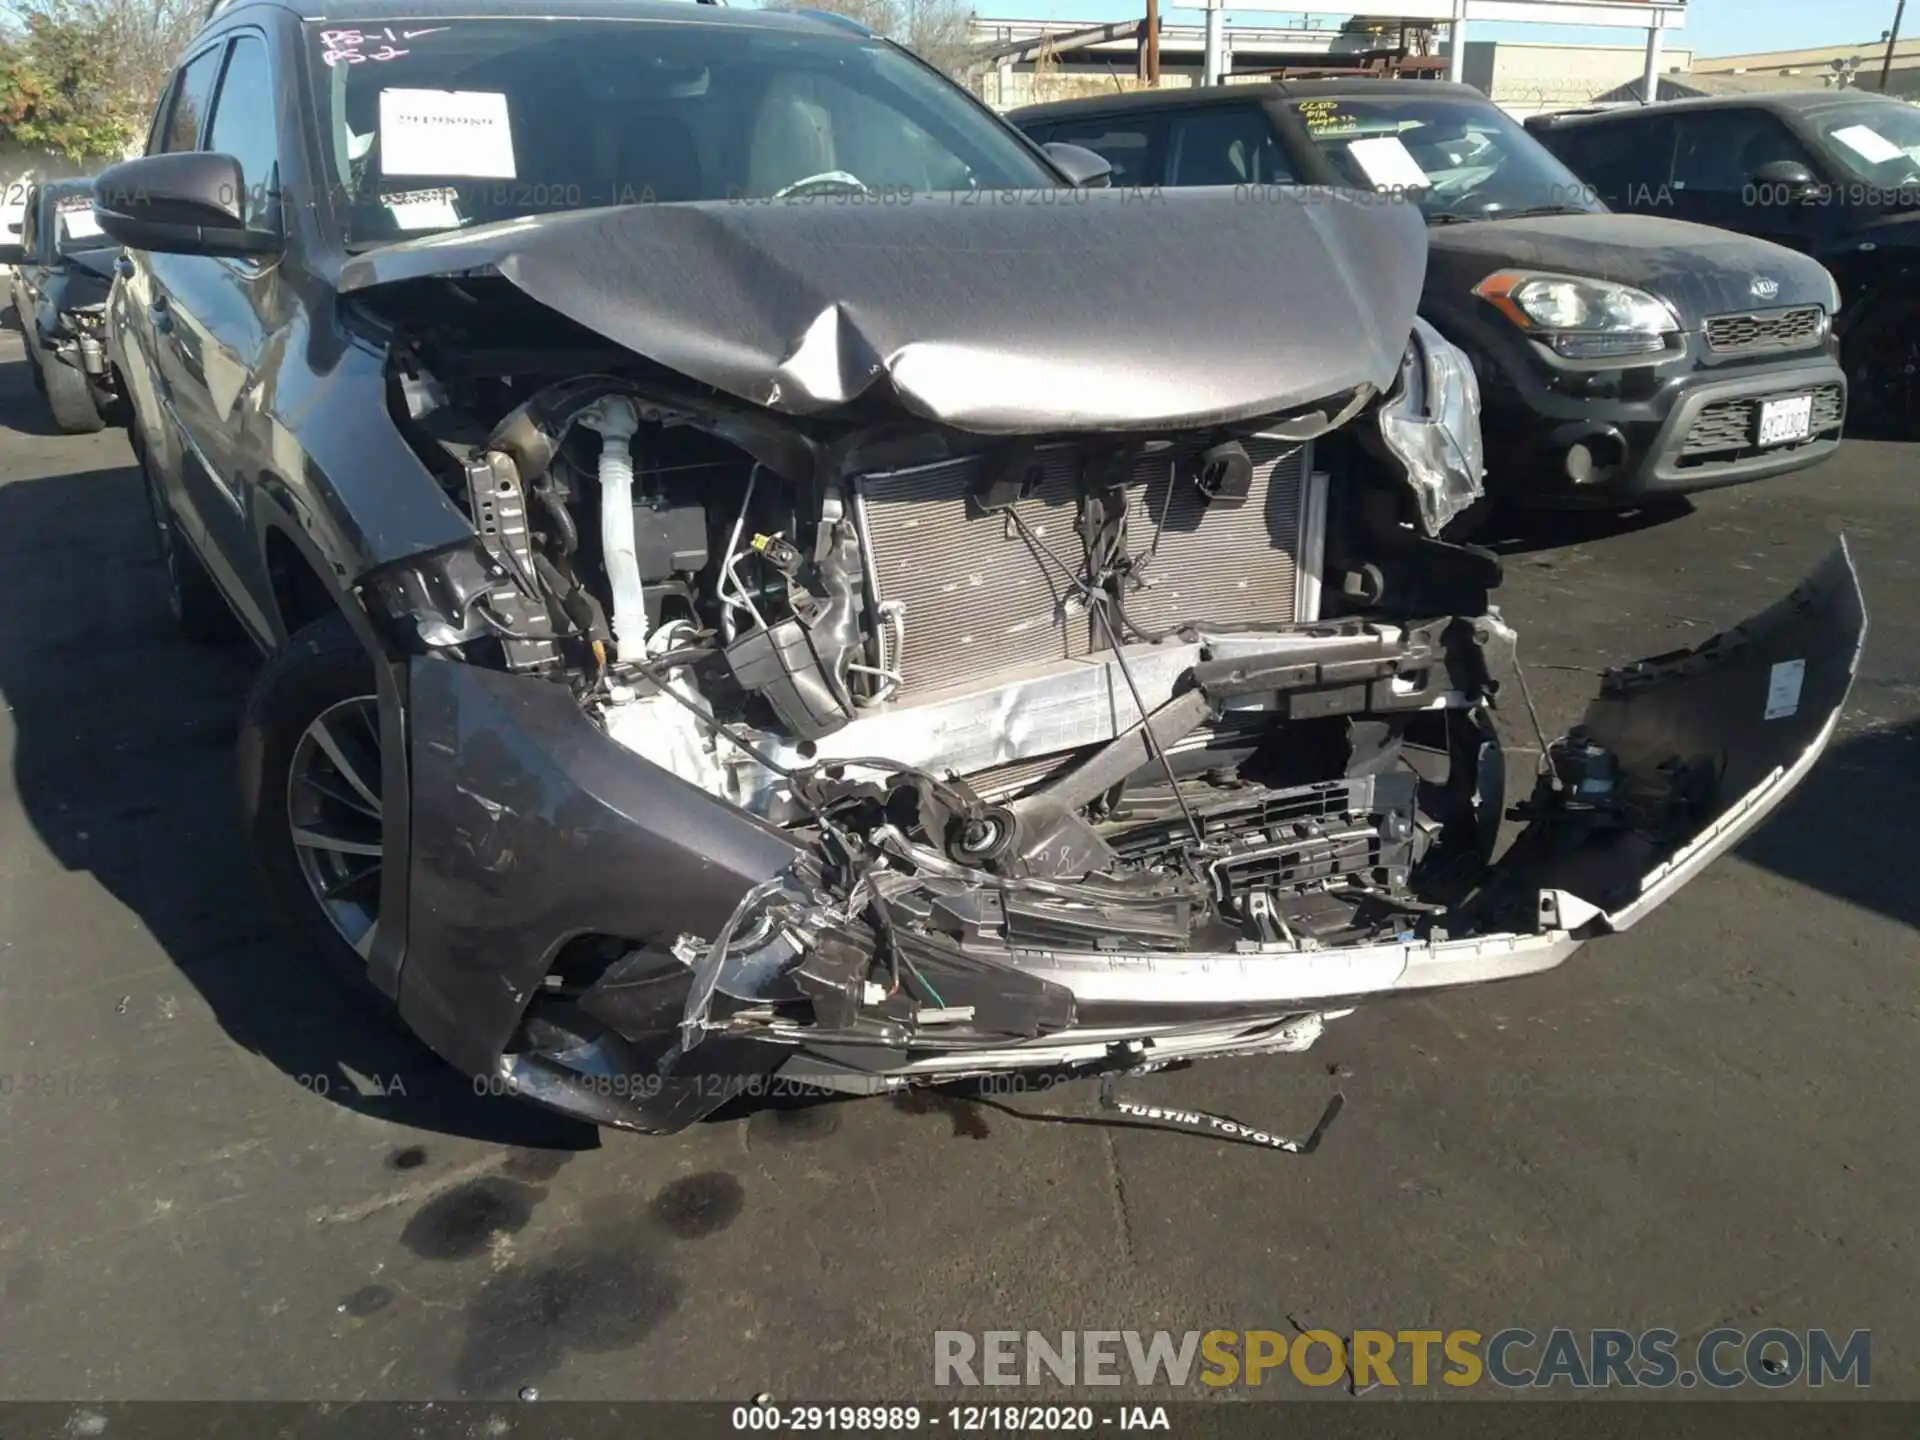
(1764, 288)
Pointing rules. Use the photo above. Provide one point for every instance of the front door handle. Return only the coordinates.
(161, 316)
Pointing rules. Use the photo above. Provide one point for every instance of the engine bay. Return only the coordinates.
(906, 752)
(1080, 688)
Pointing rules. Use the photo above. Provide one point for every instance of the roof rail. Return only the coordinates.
(1552, 118)
(845, 22)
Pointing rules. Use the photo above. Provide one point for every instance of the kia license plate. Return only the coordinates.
(1786, 420)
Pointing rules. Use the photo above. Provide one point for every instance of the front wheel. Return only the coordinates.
(311, 783)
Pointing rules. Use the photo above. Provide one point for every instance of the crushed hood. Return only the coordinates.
(1048, 310)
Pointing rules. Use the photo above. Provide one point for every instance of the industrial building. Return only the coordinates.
(1858, 66)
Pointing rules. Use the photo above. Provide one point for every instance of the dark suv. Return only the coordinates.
(1621, 359)
(1834, 174)
(746, 600)
(62, 267)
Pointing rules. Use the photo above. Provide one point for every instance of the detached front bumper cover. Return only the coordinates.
(532, 827)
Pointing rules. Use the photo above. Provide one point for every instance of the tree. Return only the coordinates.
(57, 91)
(83, 76)
(938, 31)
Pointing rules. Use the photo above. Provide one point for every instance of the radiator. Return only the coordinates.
(977, 596)
(1236, 568)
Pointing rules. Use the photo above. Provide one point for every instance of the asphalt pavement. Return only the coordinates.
(218, 1181)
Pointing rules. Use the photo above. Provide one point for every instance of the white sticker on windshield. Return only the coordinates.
(445, 132)
(80, 223)
(1869, 144)
(1388, 163)
(422, 209)
(1783, 688)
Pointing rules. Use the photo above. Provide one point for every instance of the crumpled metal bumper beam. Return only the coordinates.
(531, 827)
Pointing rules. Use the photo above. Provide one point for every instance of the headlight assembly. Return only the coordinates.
(1432, 424)
(1583, 319)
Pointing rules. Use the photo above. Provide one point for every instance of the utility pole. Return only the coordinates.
(1215, 67)
(1457, 43)
(1153, 43)
(1893, 36)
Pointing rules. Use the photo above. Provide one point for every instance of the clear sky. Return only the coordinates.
(1714, 27)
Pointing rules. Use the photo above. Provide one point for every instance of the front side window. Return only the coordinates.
(190, 95)
(1457, 160)
(1225, 146)
(243, 125)
(1878, 142)
(439, 124)
(1719, 152)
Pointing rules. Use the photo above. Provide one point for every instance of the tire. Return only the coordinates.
(310, 765)
(192, 598)
(1882, 360)
(70, 397)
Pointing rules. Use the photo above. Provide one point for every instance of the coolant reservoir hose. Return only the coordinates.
(615, 419)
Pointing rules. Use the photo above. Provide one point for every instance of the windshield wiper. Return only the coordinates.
(1536, 210)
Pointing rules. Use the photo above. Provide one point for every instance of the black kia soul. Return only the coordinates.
(1621, 357)
(1833, 173)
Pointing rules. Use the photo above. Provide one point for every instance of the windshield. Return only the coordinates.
(438, 124)
(1457, 161)
(1878, 143)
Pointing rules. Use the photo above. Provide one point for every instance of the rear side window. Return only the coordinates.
(1616, 159)
(191, 92)
(1225, 146)
(1719, 151)
(1134, 145)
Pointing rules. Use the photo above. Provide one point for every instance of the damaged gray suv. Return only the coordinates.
(769, 575)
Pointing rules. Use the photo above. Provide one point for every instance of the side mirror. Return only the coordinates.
(1789, 173)
(187, 203)
(13, 254)
(1084, 169)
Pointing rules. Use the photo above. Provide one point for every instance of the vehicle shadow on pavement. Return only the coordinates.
(1848, 829)
(1510, 530)
(123, 762)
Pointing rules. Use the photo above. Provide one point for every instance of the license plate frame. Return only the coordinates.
(1783, 420)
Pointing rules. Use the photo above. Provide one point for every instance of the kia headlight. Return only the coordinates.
(1582, 319)
(1432, 424)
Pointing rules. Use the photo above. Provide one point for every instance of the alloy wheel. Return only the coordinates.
(333, 812)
